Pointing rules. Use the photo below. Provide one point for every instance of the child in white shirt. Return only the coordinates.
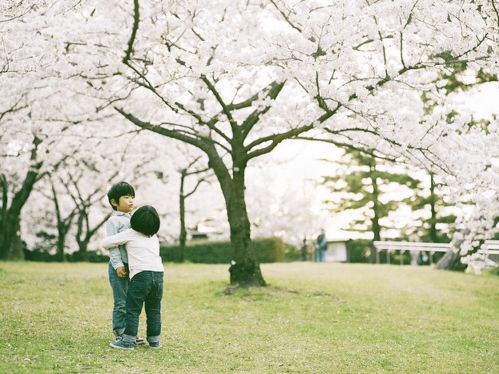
(146, 276)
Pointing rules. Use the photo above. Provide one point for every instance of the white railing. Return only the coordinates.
(489, 247)
(391, 246)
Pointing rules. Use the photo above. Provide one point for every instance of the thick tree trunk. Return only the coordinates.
(83, 250)
(10, 242)
(10, 216)
(62, 231)
(245, 269)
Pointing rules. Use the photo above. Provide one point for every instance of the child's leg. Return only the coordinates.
(134, 301)
(120, 288)
(153, 308)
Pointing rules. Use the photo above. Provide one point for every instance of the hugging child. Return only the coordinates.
(121, 198)
(146, 276)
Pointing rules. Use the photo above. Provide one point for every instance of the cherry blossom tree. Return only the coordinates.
(33, 118)
(370, 64)
(236, 79)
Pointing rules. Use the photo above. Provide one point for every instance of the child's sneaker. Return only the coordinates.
(140, 341)
(154, 345)
(121, 344)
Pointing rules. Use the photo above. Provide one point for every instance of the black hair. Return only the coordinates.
(145, 220)
(117, 190)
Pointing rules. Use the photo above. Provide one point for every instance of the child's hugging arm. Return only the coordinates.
(114, 240)
(117, 239)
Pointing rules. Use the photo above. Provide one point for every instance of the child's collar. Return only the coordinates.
(118, 213)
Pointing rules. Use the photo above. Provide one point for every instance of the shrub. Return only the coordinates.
(291, 253)
(40, 255)
(358, 250)
(206, 252)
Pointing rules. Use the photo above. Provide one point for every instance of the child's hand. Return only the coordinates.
(121, 272)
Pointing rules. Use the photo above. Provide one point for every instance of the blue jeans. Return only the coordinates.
(146, 288)
(320, 255)
(120, 288)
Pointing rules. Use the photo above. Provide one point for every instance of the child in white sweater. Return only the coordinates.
(146, 276)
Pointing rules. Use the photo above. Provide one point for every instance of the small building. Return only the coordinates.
(336, 251)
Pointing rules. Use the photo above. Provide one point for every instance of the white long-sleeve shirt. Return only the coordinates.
(143, 251)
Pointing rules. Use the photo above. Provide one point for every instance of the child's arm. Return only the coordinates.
(112, 227)
(117, 239)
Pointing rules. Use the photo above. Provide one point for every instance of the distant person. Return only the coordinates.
(304, 250)
(146, 277)
(321, 247)
(121, 198)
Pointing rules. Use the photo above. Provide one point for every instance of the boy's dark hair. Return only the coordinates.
(117, 190)
(145, 220)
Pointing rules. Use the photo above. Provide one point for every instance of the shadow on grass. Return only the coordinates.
(273, 292)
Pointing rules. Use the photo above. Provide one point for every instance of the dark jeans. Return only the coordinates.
(145, 288)
(320, 255)
(120, 288)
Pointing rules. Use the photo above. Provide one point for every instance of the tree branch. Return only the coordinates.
(275, 140)
(135, 27)
(250, 121)
(226, 110)
(286, 17)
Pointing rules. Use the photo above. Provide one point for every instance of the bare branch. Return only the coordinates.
(226, 110)
(275, 140)
(250, 121)
(286, 17)
(196, 140)
(135, 27)
(367, 150)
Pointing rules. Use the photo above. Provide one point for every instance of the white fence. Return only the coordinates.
(489, 247)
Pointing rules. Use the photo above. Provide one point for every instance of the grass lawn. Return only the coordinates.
(313, 318)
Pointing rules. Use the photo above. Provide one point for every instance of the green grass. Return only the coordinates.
(313, 318)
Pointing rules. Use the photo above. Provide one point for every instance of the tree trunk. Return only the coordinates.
(10, 216)
(183, 232)
(62, 230)
(376, 228)
(82, 243)
(245, 269)
(83, 250)
(63, 225)
(83, 225)
(10, 242)
(451, 261)
(433, 208)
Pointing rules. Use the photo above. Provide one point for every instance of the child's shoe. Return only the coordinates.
(140, 341)
(121, 344)
(154, 345)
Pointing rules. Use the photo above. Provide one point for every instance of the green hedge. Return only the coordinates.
(44, 256)
(291, 253)
(206, 252)
(358, 250)
(267, 250)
